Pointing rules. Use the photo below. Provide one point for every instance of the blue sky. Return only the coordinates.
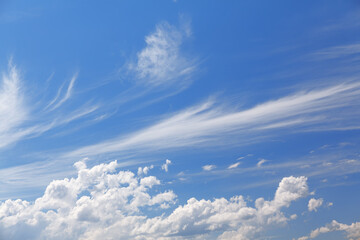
(179, 120)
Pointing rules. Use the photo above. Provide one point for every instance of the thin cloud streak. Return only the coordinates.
(67, 95)
(206, 123)
(13, 111)
(19, 120)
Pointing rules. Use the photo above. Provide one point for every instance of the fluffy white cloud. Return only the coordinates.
(314, 204)
(103, 203)
(165, 166)
(144, 170)
(352, 230)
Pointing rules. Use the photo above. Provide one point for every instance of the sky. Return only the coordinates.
(176, 119)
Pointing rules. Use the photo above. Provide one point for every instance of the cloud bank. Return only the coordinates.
(103, 203)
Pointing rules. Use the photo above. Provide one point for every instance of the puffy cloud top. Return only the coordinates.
(103, 203)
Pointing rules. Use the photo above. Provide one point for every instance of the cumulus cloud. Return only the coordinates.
(314, 204)
(165, 166)
(161, 62)
(104, 203)
(352, 231)
(144, 170)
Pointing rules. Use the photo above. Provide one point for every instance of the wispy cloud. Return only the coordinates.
(261, 162)
(55, 103)
(208, 167)
(13, 110)
(206, 123)
(19, 119)
(161, 63)
(337, 52)
(235, 165)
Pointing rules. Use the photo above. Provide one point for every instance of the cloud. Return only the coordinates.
(207, 124)
(66, 96)
(13, 110)
(144, 170)
(235, 165)
(165, 166)
(352, 230)
(208, 167)
(314, 204)
(161, 62)
(337, 52)
(19, 116)
(102, 202)
(261, 162)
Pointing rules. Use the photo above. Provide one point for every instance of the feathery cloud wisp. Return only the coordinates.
(161, 61)
(206, 123)
(13, 112)
(235, 165)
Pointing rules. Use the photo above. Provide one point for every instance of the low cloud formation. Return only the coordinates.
(352, 231)
(314, 204)
(165, 166)
(103, 203)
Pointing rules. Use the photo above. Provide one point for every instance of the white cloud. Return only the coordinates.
(261, 162)
(66, 96)
(13, 111)
(19, 118)
(207, 124)
(337, 52)
(352, 230)
(314, 204)
(165, 166)
(235, 165)
(161, 61)
(208, 167)
(144, 170)
(103, 203)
